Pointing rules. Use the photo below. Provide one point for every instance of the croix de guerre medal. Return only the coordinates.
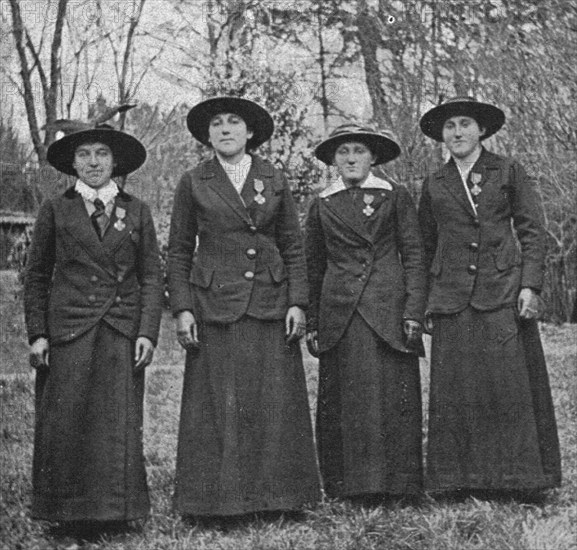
(475, 180)
(259, 188)
(119, 224)
(368, 200)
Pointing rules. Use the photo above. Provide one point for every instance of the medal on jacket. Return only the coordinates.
(119, 224)
(368, 200)
(259, 188)
(475, 180)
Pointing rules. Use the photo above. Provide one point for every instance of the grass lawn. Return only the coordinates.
(442, 525)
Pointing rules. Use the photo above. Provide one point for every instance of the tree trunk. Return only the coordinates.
(369, 39)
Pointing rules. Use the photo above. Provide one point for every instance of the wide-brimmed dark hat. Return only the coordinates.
(129, 154)
(381, 144)
(256, 118)
(488, 116)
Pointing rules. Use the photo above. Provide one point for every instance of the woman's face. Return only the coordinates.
(228, 135)
(353, 161)
(94, 164)
(462, 135)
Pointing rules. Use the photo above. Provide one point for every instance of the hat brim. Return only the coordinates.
(384, 148)
(487, 116)
(128, 153)
(255, 117)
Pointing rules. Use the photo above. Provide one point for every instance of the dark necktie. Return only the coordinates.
(99, 218)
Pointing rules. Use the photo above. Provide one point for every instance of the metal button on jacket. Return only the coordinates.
(251, 253)
(472, 269)
(93, 279)
(118, 299)
(120, 278)
(249, 275)
(474, 246)
(92, 298)
(253, 228)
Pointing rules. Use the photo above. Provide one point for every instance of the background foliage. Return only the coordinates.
(312, 63)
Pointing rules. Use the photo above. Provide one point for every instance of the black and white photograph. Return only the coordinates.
(288, 274)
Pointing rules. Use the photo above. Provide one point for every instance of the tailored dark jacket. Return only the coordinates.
(249, 253)
(481, 259)
(376, 269)
(74, 280)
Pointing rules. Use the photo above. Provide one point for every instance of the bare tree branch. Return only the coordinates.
(28, 94)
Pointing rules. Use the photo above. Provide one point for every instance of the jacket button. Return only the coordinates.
(251, 253)
(118, 299)
(92, 298)
(474, 246)
(93, 279)
(476, 222)
(249, 275)
(253, 228)
(472, 269)
(120, 278)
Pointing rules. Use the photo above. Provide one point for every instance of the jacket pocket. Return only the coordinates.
(507, 256)
(278, 272)
(201, 276)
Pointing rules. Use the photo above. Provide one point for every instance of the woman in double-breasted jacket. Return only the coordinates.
(367, 292)
(92, 299)
(491, 422)
(238, 289)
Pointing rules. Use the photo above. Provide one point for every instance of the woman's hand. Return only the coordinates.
(40, 353)
(143, 353)
(295, 323)
(187, 330)
(313, 342)
(413, 333)
(529, 304)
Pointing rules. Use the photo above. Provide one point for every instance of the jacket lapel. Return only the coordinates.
(450, 179)
(80, 228)
(218, 181)
(263, 174)
(382, 205)
(121, 223)
(490, 170)
(341, 205)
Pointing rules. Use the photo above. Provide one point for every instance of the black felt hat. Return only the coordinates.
(255, 117)
(381, 144)
(487, 116)
(128, 153)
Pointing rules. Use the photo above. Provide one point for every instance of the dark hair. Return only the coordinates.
(248, 127)
(469, 115)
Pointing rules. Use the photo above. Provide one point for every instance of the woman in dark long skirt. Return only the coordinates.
(491, 422)
(367, 298)
(245, 442)
(93, 301)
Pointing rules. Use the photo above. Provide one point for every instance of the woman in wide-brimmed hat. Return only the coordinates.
(245, 440)
(491, 421)
(367, 292)
(92, 299)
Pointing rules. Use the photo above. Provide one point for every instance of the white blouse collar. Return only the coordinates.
(371, 181)
(106, 193)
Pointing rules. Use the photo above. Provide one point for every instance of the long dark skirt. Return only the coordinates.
(369, 417)
(245, 441)
(88, 460)
(491, 423)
